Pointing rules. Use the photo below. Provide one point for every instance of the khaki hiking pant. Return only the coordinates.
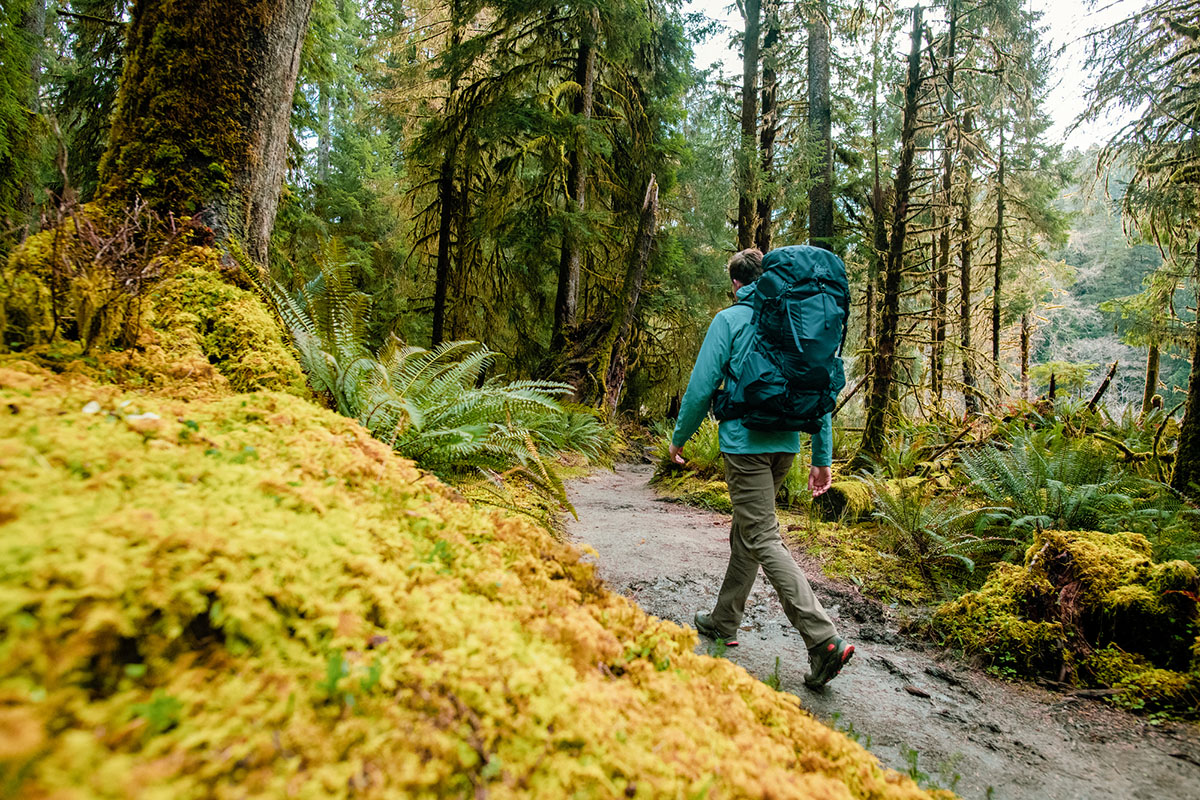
(754, 540)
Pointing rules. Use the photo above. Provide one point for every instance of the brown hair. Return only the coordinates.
(746, 265)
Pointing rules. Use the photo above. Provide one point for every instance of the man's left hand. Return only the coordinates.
(819, 480)
(677, 455)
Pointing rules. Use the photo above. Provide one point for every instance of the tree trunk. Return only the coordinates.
(747, 185)
(1152, 359)
(884, 362)
(1025, 356)
(34, 27)
(1187, 456)
(996, 282)
(617, 349)
(567, 300)
(970, 393)
(770, 126)
(820, 196)
(1103, 387)
(448, 196)
(941, 289)
(203, 116)
(324, 134)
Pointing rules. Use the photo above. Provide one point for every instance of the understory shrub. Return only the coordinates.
(1041, 481)
(936, 534)
(437, 407)
(1080, 593)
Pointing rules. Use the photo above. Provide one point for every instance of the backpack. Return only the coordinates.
(792, 374)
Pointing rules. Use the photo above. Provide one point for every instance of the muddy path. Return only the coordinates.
(1003, 740)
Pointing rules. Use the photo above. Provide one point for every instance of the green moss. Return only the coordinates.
(231, 327)
(251, 596)
(1091, 603)
(846, 500)
(1163, 692)
(990, 623)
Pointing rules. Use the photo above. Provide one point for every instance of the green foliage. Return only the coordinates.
(934, 533)
(436, 406)
(902, 453)
(1039, 482)
(702, 453)
(1068, 377)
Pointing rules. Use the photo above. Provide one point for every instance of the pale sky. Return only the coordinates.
(1068, 21)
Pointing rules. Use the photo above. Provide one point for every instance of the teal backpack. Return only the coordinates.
(793, 372)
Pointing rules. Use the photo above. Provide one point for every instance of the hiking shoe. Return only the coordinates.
(704, 624)
(826, 661)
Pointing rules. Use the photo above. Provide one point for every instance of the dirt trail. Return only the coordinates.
(1013, 741)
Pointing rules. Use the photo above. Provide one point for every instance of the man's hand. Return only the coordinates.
(677, 455)
(819, 480)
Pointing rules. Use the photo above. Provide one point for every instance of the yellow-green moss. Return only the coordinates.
(193, 334)
(693, 490)
(845, 499)
(251, 596)
(232, 328)
(1091, 604)
(1161, 691)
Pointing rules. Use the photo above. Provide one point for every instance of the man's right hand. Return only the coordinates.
(819, 480)
(677, 455)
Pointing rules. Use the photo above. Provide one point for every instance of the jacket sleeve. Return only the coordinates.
(822, 443)
(711, 365)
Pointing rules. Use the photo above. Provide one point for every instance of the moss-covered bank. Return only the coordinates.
(248, 595)
(1093, 609)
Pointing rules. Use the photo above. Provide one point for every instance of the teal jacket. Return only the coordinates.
(725, 346)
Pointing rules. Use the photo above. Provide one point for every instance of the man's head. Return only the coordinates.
(745, 266)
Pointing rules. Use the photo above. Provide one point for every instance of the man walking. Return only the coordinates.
(756, 462)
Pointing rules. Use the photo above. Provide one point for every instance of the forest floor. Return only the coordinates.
(916, 708)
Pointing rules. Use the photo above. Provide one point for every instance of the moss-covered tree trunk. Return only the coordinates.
(997, 272)
(820, 126)
(941, 280)
(770, 125)
(571, 256)
(615, 354)
(203, 114)
(966, 246)
(1148, 391)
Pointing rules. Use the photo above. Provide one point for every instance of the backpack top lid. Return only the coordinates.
(799, 262)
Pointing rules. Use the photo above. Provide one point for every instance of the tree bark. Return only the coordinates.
(617, 351)
(203, 116)
(1151, 388)
(820, 120)
(997, 277)
(1187, 456)
(970, 393)
(324, 134)
(1103, 387)
(883, 364)
(1025, 356)
(747, 185)
(567, 299)
(448, 195)
(941, 288)
(770, 126)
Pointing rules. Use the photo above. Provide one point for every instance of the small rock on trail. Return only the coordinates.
(896, 697)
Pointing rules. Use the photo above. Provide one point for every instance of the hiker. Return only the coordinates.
(756, 461)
